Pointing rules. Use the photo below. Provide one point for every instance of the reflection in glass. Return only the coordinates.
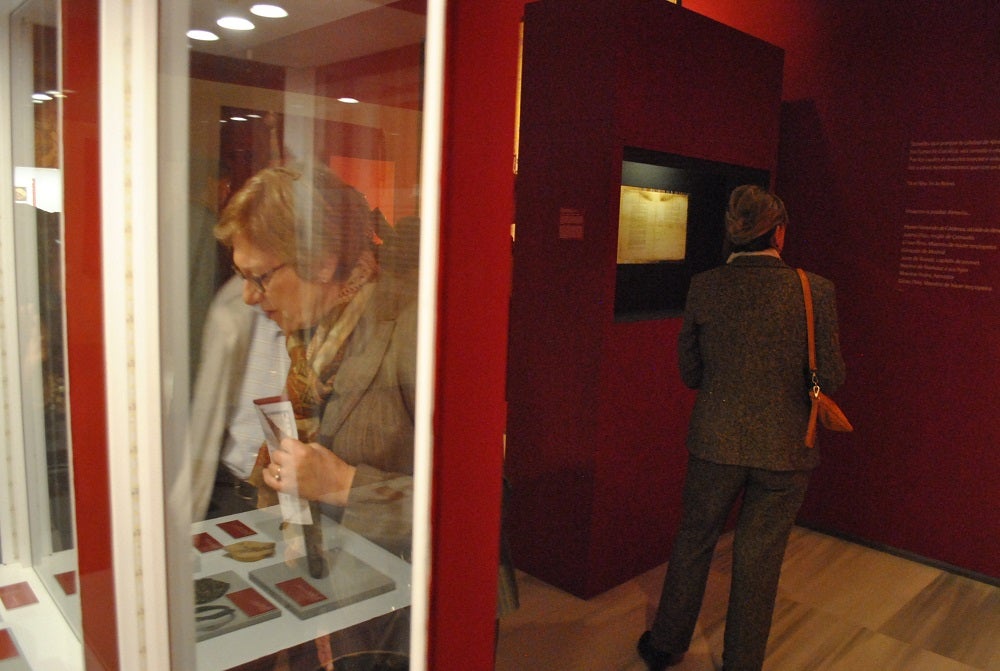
(38, 228)
(304, 156)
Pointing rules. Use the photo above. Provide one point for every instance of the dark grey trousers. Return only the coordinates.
(771, 501)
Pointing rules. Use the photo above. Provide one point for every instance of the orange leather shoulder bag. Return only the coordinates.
(823, 408)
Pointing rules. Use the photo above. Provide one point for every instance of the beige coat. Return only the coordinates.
(367, 421)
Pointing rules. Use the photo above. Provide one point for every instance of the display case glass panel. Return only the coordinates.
(298, 266)
(38, 576)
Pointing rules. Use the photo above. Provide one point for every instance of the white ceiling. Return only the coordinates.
(315, 33)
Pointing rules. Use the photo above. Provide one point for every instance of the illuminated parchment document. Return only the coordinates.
(652, 225)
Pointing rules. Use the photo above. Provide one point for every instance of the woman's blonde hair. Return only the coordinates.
(303, 222)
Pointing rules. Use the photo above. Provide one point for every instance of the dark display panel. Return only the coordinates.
(656, 288)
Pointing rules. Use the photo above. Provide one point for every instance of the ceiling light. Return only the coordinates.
(350, 101)
(235, 23)
(40, 97)
(238, 118)
(269, 11)
(202, 35)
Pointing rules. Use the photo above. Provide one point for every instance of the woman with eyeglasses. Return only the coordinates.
(306, 249)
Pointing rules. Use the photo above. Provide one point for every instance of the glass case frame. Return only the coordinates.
(133, 614)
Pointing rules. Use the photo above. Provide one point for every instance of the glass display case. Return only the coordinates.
(120, 293)
(317, 107)
(38, 576)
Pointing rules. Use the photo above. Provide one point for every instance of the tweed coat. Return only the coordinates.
(743, 346)
(368, 420)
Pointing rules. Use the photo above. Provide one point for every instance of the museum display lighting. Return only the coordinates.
(235, 23)
(269, 11)
(202, 35)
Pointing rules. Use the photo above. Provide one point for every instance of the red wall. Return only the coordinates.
(476, 212)
(597, 412)
(920, 472)
(85, 333)
(863, 81)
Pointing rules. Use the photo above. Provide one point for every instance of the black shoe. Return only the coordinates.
(656, 660)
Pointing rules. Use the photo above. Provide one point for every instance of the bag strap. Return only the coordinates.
(810, 324)
(810, 328)
(811, 333)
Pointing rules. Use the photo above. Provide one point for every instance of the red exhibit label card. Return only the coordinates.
(7, 648)
(67, 581)
(236, 529)
(17, 595)
(251, 602)
(301, 592)
(205, 543)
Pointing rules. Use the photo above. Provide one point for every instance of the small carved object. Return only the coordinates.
(209, 589)
(250, 551)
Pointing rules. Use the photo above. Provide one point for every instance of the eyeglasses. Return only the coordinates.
(259, 281)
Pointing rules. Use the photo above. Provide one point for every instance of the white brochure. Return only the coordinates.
(277, 419)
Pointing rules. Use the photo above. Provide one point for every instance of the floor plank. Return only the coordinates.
(840, 607)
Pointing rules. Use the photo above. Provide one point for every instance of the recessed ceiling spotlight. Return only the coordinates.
(238, 118)
(269, 11)
(202, 35)
(235, 23)
(40, 97)
(349, 101)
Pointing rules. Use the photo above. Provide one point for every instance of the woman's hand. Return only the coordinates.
(310, 471)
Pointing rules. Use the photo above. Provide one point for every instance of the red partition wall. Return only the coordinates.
(597, 413)
(890, 150)
(477, 206)
(906, 478)
(85, 331)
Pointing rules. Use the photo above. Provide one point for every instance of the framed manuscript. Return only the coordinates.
(671, 225)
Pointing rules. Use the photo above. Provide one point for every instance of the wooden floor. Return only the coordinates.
(840, 607)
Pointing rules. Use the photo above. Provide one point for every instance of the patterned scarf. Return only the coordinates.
(316, 358)
(316, 355)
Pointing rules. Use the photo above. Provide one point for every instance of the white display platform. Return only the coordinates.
(249, 642)
(38, 629)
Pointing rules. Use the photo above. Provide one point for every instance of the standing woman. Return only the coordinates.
(743, 346)
(304, 245)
